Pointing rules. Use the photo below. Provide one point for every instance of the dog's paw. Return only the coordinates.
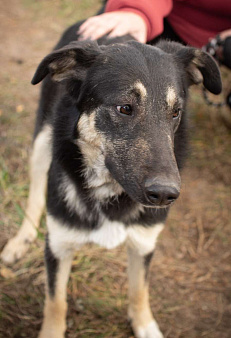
(15, 249)
(143, 324)
(150, 331)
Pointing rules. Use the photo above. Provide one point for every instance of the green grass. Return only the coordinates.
(70, 11)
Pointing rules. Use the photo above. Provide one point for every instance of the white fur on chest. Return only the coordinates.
(64, 239)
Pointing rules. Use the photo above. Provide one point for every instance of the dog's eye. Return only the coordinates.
(126, 109)
(176, 113)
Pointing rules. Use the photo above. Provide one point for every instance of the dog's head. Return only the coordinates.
(132, 101)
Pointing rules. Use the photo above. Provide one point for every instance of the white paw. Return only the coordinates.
(150, 331)
(16, 249)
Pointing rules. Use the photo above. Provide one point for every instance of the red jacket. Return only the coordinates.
(195, 21)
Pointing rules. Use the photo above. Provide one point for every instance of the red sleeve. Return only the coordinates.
(152, 11)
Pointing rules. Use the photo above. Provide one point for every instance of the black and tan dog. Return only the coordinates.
(110, 137)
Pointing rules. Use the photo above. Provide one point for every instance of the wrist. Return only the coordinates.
(220, 48)
(141, 18)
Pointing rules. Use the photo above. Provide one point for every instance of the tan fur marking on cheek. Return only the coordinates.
(90, 142)
(141, 88)
(86, 127)
(88, 132)
(171, 97)
(92, 145)
(89, 152)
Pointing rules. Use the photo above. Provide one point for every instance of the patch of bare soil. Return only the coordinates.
(190, 276)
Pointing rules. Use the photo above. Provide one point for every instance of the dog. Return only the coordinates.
(109, 143)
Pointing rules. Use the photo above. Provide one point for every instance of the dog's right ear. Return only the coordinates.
(71, 61)
(198, 65)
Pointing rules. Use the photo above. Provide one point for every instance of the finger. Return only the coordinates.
(88, 31)
(225, 34)
(140, 36)
(88, 23)
(97, 20)
(95, 32)
(118, 31)
(100, 32)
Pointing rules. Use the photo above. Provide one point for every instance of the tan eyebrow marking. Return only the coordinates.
(171, 97)
(141, 89)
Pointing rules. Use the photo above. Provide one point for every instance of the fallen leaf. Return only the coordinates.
(19, 108)
(7, 273)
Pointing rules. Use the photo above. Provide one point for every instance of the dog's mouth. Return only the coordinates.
(161, 202)
(154, 203)
(151, 206)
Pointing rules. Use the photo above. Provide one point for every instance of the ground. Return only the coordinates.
(190, 277)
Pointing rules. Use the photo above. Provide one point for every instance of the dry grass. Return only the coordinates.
(190, 279)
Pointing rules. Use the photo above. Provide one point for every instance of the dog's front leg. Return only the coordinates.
(58, 270)
(39, 166)
(141, 244)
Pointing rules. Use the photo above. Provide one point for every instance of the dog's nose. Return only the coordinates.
(161, 195)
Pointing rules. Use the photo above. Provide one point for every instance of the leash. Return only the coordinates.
(216, 104)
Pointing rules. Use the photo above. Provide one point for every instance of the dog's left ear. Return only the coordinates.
(71, 61)
(200, 67)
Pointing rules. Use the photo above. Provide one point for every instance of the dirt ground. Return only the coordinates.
(190, 278)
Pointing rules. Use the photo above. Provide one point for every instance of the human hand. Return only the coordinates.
(225, 34)
(114, 24)
(220, 47)
(224, 50)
